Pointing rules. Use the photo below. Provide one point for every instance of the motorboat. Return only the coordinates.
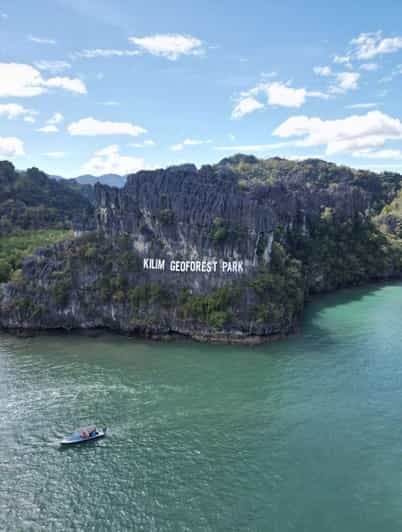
(84, 434)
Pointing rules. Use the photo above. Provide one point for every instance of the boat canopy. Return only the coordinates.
(89, 429)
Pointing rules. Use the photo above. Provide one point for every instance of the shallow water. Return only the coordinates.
(299, 435)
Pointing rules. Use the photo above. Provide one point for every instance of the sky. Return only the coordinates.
(96, 86)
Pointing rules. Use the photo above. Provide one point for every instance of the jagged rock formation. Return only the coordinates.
(181, 209)
(290, 228)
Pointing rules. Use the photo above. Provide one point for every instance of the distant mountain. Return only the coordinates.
(113, 180)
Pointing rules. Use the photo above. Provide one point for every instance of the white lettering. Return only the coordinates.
(194, 266)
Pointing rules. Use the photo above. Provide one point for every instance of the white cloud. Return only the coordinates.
(55, 154)
(379, 154)
(15, 110)
(11, 147)
(189, 142)
(109, 161)
(322, 71)
(18, 79)
(41, 40)
(56, 118)
(93, 127)
(345, 81)
(29, 119)
(51, 124)
(274, 93)
(369, 45)
(195, 142)
(149, 143)
(362, 106)
(55, 67)
(105, 52)
(343, 60)
(169, 45)
(369, 67)
(245, 106)
(285, 96)
(68, 84)
(176, 147)
(50, 128)
(356, 132)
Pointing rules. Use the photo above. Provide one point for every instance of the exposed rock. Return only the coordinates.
(292, 232)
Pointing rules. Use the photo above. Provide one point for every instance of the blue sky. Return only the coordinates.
(97, 87)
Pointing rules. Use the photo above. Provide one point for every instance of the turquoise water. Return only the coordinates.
(299, 435)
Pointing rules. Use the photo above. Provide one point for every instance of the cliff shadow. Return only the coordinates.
(312, 323)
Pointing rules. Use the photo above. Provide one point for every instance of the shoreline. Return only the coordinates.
(224, 338)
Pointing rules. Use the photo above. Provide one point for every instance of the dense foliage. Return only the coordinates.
(15, 247)
(32, 200)
(344, 253)
(390, 218)
(313, 173)
(280, 288)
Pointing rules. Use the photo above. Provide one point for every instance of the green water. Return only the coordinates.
(299, 435)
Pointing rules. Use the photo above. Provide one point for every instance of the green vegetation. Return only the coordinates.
(14, 248)
(32, 200)
(150, 294)
(111, 264)
(345, 253)
(220, 230)
(214, 309)
(278, 291)
(279, 288)
(390, 219)
(223, 231)
(26, 308)
(312, 173)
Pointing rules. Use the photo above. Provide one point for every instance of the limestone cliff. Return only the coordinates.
(273, 241)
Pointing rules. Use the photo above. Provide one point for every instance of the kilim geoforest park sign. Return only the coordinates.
(194, 266)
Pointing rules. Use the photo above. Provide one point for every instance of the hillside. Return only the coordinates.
(313, 173)
(227, 252)
(31, 200)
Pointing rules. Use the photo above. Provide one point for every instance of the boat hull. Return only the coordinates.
(75, 441)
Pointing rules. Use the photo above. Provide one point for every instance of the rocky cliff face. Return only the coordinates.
(214, 253)
(207, 213)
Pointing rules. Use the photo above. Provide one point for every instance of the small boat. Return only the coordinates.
(84, 434)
